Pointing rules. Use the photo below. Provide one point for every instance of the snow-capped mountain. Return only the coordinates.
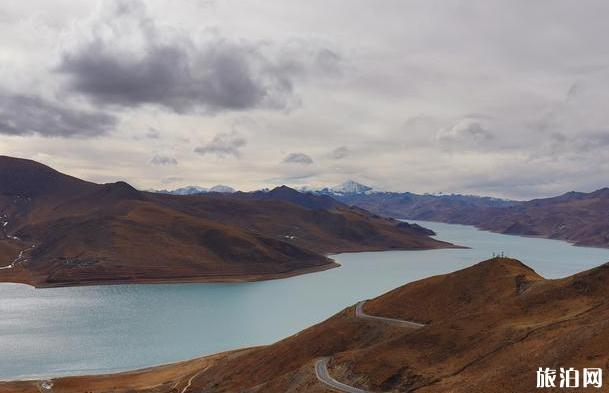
(222, 189)
(188, 190)
(192, 190)
(351, 187)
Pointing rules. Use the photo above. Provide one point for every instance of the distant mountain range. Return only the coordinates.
(577, 217)
(408, 205)
(352, 189)
(60, 230)
(580, 218)
(193, 190)
(434, 207)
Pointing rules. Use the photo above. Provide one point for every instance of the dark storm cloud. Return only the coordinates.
(27, 115)
(162, 160)
(218, 77)
(298, 158)
(174, 71)
(224, 144)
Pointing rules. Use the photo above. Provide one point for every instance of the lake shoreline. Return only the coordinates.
(208, 279)
(173, 375)
(20, 275)
(540, 236)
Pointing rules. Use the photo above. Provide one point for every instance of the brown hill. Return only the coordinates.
(70, 232)
(287, 194)
(488, 329)
(27, 178)
(451, 208)
(580, 218)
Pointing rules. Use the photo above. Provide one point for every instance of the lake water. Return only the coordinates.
(98, 329)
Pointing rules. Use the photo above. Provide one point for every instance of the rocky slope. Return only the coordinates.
(59, 230)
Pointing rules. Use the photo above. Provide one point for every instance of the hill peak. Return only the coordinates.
(351, 187)
(284, 188)
(122, 190)
(304, 199)
(29, 178)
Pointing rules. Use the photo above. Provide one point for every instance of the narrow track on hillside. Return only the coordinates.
(321, 371)
(360, 313)
(321, 365)
(20, 258)
(189, 384)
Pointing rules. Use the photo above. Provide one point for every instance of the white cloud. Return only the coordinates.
(466, 133)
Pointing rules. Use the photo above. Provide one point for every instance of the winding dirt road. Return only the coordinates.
(321, 365)
(321, 371)
(360, 313)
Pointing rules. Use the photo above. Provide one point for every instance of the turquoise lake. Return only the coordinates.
(99, 329)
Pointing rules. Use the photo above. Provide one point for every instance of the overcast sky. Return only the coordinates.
(505, 98)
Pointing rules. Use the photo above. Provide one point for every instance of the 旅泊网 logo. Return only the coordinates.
(569, 378)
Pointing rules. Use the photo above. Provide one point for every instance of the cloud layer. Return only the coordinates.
(466, 133)
(497, 98)
(223, 145)
(298, 158)
(33, 115)
(160, 159)
(127, 59)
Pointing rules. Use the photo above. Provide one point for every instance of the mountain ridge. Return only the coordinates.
(577, 217)
(73, 232)
(193, 190)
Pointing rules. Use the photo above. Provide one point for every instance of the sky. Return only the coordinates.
(503, 98)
